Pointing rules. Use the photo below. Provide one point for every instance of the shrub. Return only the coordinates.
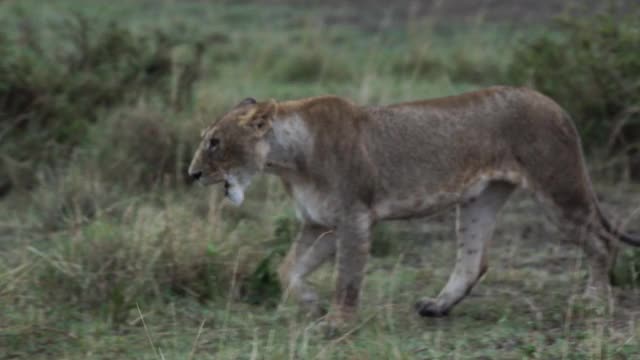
(50, 95)
(591, 67)
(134, 149)
(139, 147)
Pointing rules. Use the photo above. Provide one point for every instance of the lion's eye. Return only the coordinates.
(213, 143)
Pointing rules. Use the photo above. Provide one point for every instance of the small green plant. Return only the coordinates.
(382, 239)
(626, 272)
(262, 285)
(285, 231)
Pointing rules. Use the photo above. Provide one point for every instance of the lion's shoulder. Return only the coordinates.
(323, 111)
(316, 103)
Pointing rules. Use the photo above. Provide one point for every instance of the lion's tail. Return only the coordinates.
(631, 239)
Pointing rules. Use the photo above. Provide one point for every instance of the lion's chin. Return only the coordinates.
(234, 192)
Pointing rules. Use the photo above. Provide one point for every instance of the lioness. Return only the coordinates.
(349, 166)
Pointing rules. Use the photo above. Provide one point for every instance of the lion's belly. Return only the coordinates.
(420, 203)
(316, 207)
(413, 204)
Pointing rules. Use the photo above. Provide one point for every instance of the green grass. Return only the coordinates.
(108, 252)
(528, 306)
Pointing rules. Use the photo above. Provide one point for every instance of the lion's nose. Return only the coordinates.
(195, 175)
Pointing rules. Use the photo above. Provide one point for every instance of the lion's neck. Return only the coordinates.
(290, 144)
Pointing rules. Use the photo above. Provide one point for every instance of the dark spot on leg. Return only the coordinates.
(472, 251)
(518, 159)
(351, 294)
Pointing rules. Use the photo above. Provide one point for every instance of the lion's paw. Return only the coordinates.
(430, 308)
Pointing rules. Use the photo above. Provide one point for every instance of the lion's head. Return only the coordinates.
(234, 149)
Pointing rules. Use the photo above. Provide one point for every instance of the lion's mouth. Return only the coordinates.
(226, 188)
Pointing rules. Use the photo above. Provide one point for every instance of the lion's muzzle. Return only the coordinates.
(195, 175)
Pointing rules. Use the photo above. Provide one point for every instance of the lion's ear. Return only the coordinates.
(263, 117)
(247, 101)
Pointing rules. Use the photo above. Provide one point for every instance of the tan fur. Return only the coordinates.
(348, 167)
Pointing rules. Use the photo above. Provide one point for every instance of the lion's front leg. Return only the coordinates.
(313, 246)
(353, 251)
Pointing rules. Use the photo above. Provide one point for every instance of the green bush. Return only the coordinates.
(139, 147)
(49, 95)
(592, 68)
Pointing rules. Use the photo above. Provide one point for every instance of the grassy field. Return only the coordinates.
(108, 252)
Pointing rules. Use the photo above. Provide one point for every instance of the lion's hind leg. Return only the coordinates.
(600, 249)
(475, 224)
(579, 223)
